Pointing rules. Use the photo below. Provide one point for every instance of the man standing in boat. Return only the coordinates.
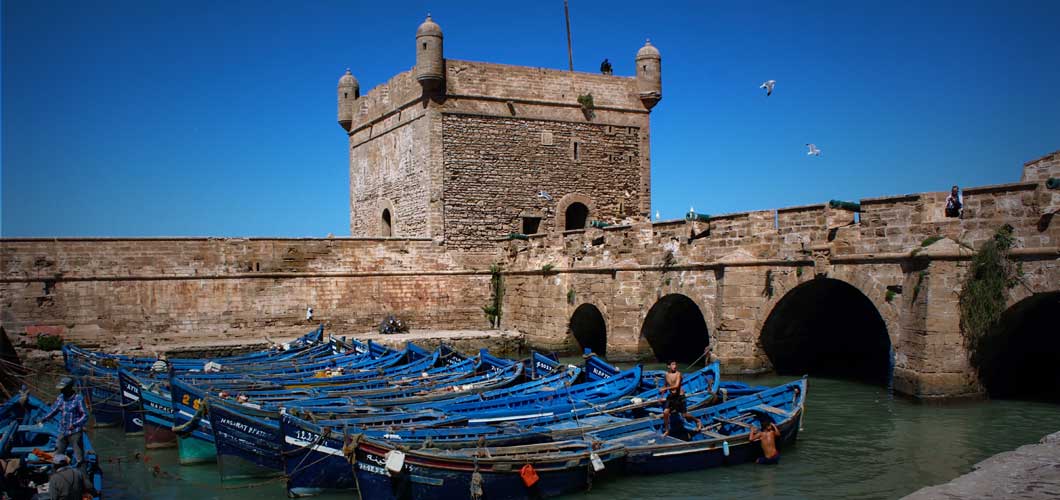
(767, 437)
(72, 418)
(675, 399)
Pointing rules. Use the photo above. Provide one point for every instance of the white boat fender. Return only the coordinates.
(395, 460)
(636, 401)
(725, 448)
(598, 465)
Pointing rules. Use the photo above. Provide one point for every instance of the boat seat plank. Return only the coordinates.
(774, 410)
(712, 434)
(733, 422)
(645, 438)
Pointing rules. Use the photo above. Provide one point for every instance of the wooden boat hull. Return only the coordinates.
(132, 412)
(426, 477)
(314, 462)
(699, 455)
(158, 419)
(239, 437)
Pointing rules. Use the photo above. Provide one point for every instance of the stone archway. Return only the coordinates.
(589, 329)
(676, 329)
(573, 212)
(576, 216)
(386, 224)
(828, 327)
(387, 219)
(1017, 360)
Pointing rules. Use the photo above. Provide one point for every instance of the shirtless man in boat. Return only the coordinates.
(767, 437)
(675, 399)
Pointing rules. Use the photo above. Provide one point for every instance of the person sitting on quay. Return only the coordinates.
(767, 437)
(72, 418)
(954, 203)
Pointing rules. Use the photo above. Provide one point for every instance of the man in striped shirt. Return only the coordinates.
(72, 418)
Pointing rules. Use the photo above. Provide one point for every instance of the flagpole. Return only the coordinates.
(570, 53)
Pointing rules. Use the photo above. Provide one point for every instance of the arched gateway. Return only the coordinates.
(828, 327)
(675, 329)
(589, 329)
(1018, 358)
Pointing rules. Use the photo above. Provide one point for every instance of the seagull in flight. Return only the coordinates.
(768, 85)
(813, 150)
(544, 195)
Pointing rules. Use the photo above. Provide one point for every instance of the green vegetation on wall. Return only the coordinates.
(982, 299)
(493, 309)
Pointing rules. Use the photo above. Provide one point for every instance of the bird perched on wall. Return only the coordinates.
(813, 150)
(768, 85)
(544, 195)
(605, 67)
(657, 216)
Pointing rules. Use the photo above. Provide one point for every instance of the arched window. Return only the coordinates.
(388, 230)
(576, 216)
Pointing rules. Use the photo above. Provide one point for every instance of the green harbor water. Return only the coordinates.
(858, 441)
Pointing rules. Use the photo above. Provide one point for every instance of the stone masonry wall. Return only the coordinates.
(402, 141)
(1041, 169)
(132, 292)
(495, 167)
(389, 162)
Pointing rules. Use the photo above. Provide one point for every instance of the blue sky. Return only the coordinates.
(134, 118)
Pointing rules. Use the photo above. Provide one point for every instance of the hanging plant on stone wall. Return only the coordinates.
(768, 290)
(493, 309)
(982, 299)
(587, 104)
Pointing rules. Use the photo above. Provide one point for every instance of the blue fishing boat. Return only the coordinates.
(547, 403)
(528, 471)
(195, 443)
(157, 403)
(132, 412)
(723, 439)
(32, 444)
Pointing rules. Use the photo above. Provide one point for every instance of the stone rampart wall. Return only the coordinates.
(900, 252)
(124, 293)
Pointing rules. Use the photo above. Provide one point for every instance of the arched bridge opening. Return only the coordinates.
(1018, 358)
(826, 327)
(589, 329)
(675, 329)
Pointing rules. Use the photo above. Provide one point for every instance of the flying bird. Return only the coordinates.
(813, 150)
(544, 195)
(768, 85)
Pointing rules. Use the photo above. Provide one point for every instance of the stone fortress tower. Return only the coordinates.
(467, 152)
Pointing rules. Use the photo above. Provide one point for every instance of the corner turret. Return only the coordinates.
(649, 75)
(349, 91)
(430, 63)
